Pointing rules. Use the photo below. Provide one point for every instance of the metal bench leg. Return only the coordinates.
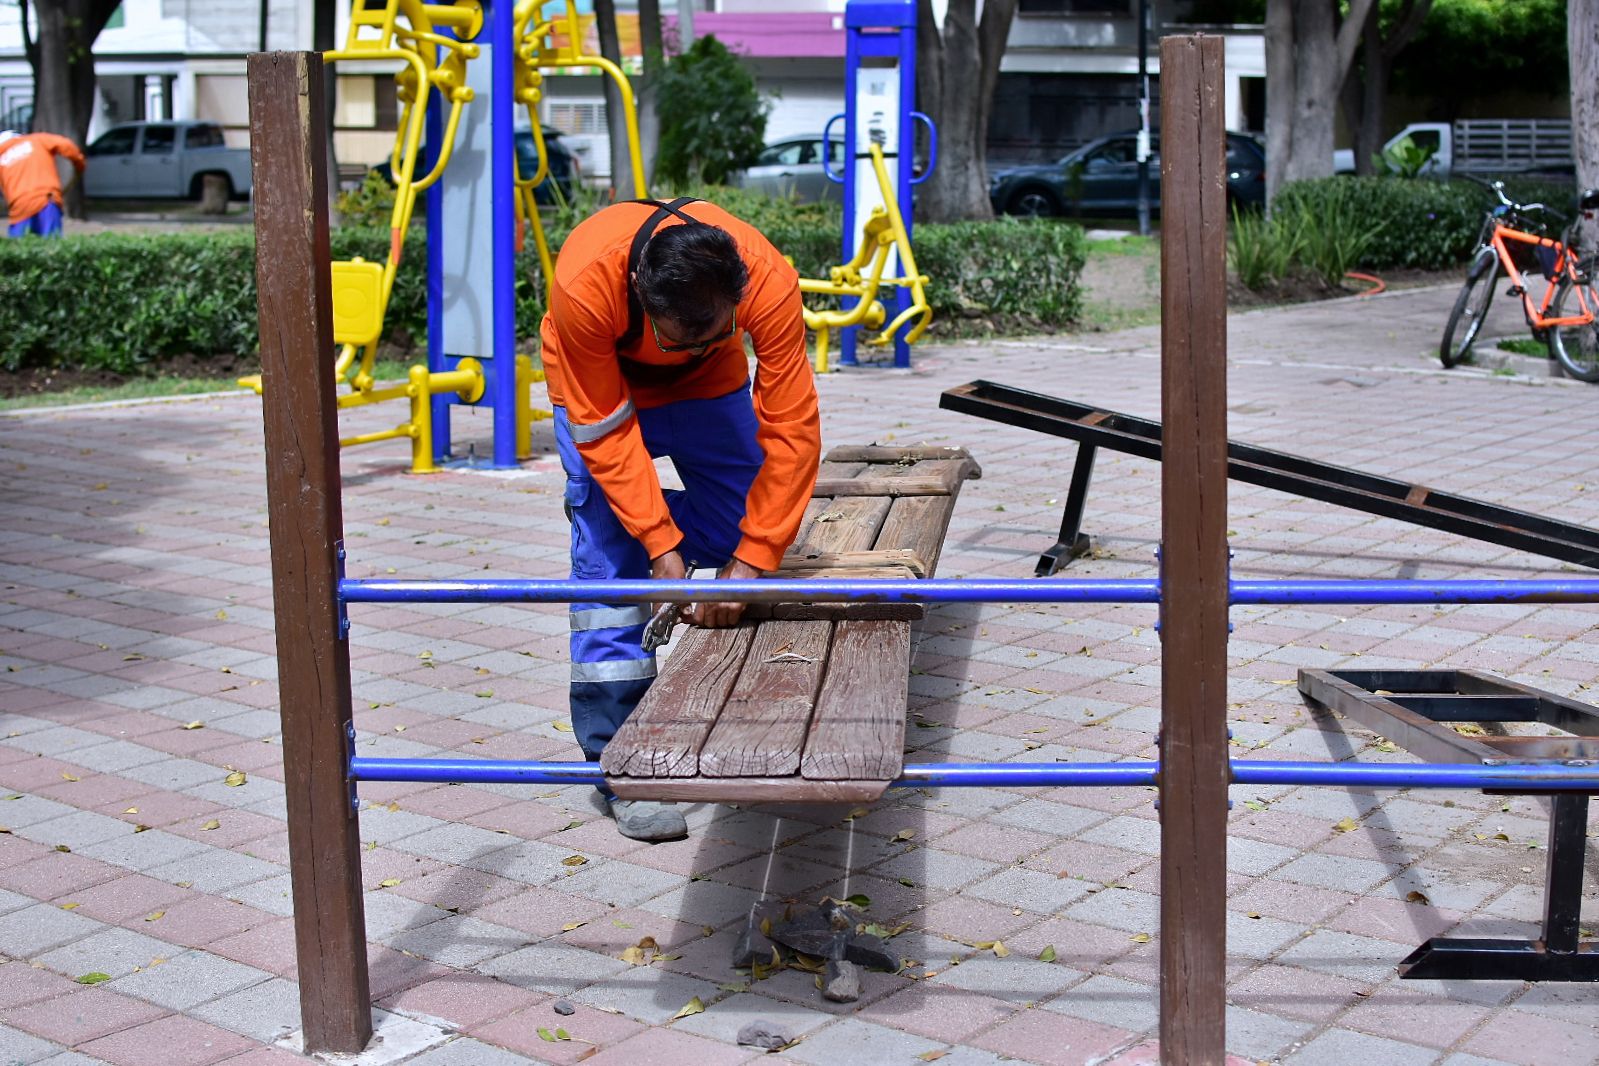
(1560, 955)
(1072, 543)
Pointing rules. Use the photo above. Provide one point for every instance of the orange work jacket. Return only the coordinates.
(587, 317)
(28, 175)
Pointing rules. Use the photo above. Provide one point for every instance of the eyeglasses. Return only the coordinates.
(697, 347)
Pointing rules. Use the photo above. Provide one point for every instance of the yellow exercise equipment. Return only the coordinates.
(862, 276)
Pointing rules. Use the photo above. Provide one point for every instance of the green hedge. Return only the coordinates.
(1428, 225)
(124, 302)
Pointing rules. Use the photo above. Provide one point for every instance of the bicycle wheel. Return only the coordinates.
(1470, 308)
(1577, 347)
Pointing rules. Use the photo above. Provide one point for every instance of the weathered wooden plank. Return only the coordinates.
(880, 453)
(746, 789)
(876, 484)
(917, 524)
(663, 735)
(832, 469)
(855, 560)
(1193, 747)
(858, 730)
(863, 573)
(843, 525)
(306, 520)
(897, 612)
(761, 730)
(950, 472)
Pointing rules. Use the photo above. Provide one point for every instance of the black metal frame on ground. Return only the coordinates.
(1413, 708)
(1093, 428)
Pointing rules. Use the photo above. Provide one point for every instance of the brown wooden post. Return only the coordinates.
(1193, 748)
(294, 285)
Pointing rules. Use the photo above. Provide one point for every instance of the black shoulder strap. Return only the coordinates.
(635, 309)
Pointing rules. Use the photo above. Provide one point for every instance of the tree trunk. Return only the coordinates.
(1365, 100)
(1306, 63)
(649, 119)
(63, 73)
(951, 60)
(615, 120)
(1582, 43)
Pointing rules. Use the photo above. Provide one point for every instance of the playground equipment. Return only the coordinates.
(880, 74)
(1193, 591)
(441, 48)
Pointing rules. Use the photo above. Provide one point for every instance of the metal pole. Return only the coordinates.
(1559, 777)
(951, 590)
(502, 55)
(1143, 118)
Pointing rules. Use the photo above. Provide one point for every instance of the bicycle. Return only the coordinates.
(1567, 318)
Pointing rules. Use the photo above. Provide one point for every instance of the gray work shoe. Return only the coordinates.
(648, 820)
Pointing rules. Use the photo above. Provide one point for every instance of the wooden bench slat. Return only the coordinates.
(848, 561)
(917, 524)
(849, 524)
(858, 728)
(881, 453)
(761, 730)
(882, 485)
(663, 735)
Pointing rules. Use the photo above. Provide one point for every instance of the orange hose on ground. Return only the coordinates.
(1378, 285)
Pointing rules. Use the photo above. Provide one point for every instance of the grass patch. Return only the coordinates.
(1131, 244)
(1523, 346)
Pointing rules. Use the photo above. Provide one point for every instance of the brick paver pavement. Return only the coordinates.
(139, 672)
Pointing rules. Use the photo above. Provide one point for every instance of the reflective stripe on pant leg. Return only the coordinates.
(611, 671)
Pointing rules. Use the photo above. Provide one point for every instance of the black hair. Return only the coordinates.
(690, 275)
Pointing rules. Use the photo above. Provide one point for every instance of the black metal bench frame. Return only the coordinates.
(1411, 708)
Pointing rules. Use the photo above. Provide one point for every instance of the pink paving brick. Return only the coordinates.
(125, 897)
(1079, 945)
(234, 828)
(199, 921)
(1288, 901)
(1091, 862)
(269, 946)
(458, 888)
(667, 1047)
(541, 911)
(938, 1012)
(1148, 1054)
(454, 803)
(267, 1056)
(81, 1015)
(616, 930)
(161, 809)
(464, 999)
(1413, 1017)
(590, 1029)
(968, 919)
(14, 850)
(103, 792)
(392, 972)
(181, 1042)
(55, 873)
(1397, 920)
(996, 843)
(526, 820)
(1532, 1040)
(38, 773)
(1052, 1039)
(1296, 993)
(22, 984)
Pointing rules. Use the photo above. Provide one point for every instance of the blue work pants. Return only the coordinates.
(45, 223)
(712, 445)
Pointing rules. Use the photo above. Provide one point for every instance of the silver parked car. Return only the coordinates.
(792, 168)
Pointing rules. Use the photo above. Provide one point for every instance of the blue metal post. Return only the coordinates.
(852, 64)
(502, 371)
(906, 162)
(435, 275)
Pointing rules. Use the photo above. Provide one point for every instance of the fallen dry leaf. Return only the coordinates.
(212, 824)
(693, 1006)
(564, 727)
(388, 882)
(1140, 938)
(235, 779)
(1048, 954)
(574, 860)
(155, 916)
(1345, 825)
(196, 724)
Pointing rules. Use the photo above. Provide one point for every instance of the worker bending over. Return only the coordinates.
(643, 350)
(30, 182)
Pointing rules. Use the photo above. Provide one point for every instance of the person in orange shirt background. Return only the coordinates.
(30, 183)
(643, 352)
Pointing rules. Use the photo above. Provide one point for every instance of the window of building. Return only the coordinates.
(1074, 7)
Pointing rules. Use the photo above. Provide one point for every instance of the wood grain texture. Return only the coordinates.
(761, 731)
(848, 524)
(1194, 595)
(879, 484)
(880, 453)
(854, 560)
(917, 524)
(899, 612)
(663, 735)
(746, 789)
(858, 729)
(306, 522)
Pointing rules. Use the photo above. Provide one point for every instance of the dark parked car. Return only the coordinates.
(1101, 178)
(564, 170)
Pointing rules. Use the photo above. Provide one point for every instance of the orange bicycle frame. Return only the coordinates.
(1565, 265)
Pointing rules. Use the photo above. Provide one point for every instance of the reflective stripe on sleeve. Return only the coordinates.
(587, 434)
(609, 618)
(614, 670)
